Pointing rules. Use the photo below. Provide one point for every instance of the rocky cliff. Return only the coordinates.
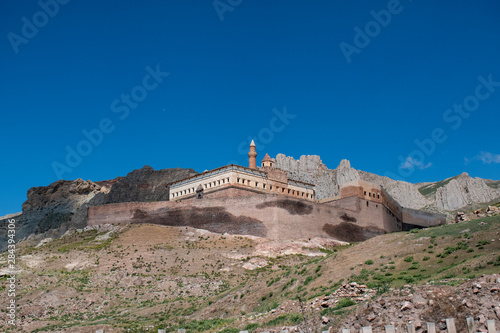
(447, 195)
(462, 191)
(63, 204)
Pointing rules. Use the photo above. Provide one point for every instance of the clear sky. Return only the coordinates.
(94, 89)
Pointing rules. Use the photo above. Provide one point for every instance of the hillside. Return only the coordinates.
(137, 276)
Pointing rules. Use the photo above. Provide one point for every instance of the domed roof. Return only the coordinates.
(267, 158)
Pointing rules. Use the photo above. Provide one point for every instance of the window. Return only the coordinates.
(283, 190)
(367, 203)
(263, 185)
(270, 187)
(378, 196)
(238, 180)
(302, 194)
(218, 182)
(288, 191)
(205, 185)
(365, 193)
(256, 184)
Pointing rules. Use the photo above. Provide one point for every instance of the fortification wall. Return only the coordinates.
(266, 215)
(412, 217)
(422, 218)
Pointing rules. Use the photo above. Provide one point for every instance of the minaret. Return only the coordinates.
(252, 156)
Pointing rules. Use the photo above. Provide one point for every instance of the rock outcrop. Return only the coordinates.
(146, 184)
(51, 210)
(464, 190)
(454, 194)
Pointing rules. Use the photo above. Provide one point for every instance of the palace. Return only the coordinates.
(234, 180)
(263, 201)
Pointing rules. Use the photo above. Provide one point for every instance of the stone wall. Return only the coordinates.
(266, 215)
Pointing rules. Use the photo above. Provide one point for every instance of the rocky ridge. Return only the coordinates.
(464, 190)
(447, 195)
(51, 210)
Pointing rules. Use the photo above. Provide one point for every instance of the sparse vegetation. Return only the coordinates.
(167, 281)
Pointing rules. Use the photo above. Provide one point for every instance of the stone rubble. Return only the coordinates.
(490, 211)
(356, 292)
(479, 298)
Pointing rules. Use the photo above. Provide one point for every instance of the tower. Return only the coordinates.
(252, 156)
(267, 161)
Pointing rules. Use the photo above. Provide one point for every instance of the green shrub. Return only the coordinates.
(408, 259)
(286, 319)
(369, 262)
(308, 280)
(251, 327)
(343, 303)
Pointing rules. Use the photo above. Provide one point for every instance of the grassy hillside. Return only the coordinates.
(493, 183)
(154, 276)
(430, 189)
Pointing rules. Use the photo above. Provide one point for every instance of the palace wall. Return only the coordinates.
(267, 215)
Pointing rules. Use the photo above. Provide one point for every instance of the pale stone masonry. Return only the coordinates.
(265, 180)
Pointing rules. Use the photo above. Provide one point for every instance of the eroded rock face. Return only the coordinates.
(462, 191)
(310, 169)
(407, 194)
(52, 210)
(146, 184)
(344, 173)
(455, 194)
(328, 182)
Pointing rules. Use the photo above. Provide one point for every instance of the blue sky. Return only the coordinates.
(123, 84)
